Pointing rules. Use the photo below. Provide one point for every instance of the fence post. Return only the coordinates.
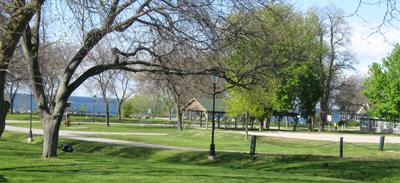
(341, 147)
(253, 146)
(381, 142)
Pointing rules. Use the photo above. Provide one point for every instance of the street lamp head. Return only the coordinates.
(214, 78)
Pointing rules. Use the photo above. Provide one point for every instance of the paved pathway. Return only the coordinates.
(113, 123)
(325, 136)
(76, 135)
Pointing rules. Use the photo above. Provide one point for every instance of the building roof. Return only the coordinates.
(204, 105)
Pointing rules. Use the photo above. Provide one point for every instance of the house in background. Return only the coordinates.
(377, 125)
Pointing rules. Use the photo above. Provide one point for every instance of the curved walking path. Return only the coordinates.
(76, 135)
(326, 136)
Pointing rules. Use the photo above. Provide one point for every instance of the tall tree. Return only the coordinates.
(349, 96)
(14, 18)
(143, 23)
(102, 82)
(122, 88)
(336, 34)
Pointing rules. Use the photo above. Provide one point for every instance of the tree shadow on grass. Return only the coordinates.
(36, 168)
(366, 170)
(307, 165)
(113, 150)
(2, 179)
(311, 165)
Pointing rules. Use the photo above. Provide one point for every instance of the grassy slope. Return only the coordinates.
(93, 162)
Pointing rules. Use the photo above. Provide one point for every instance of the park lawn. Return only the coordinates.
(230, 141)
(236, 142)
(95, 162)
(121, 127)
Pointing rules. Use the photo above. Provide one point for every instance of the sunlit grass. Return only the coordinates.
(94, 162)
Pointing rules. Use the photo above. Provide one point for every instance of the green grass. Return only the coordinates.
(228, 141)
(103, 128)
(94, 162)
(236, 142)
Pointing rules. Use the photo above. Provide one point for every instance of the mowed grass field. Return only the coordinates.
(233, 141)
(95, 162)
(278, 159)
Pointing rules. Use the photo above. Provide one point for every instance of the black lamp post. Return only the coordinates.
(94, 108)
(30, 137)
(214, 79)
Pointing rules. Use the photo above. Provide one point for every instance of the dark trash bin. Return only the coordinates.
(67, 148)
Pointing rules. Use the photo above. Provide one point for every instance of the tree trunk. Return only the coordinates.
(11, 107)
(4, 105)
(179, 117)
(50, 136)
(236, 122)
(322, 121)
(11, 98)
(279, 123)
(170, 113)
(268, 123)
(324, 112)
(309, 121)
(119, 111)
(107, 116)
(247, 118)
(296, 121)
(107, 107)
(16, 24)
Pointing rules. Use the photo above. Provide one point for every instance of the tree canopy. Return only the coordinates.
(383, 87)
(284, 45)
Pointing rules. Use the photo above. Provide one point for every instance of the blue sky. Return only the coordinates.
(366, 47)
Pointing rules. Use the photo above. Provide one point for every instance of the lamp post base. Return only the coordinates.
(30, 136)
(211, 158)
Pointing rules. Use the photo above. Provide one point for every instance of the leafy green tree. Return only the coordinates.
(285, 46)
(303, 89)
(382, 88)
(82, 109)
(137, 104)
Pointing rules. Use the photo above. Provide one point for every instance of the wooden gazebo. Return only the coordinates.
(203, 108)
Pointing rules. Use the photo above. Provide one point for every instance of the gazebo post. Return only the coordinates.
(226, 121)
(201, 119)
(218, 119)
(237, 118)
(207, 121)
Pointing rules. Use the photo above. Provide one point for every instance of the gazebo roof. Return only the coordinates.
(204, 105)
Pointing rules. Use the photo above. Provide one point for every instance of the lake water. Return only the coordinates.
(87, 105)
